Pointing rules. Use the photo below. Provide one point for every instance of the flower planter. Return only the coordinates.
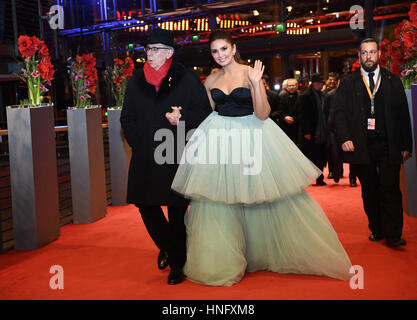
(409, 175)
(33, 175)
(86, 151)
(120, 154)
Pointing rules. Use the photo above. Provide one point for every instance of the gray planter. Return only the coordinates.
(410, 166)
(120, 154)
(86, 151)
(33, 175)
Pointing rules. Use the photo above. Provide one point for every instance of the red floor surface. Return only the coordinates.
(114, 258)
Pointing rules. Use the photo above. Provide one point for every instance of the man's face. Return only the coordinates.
(369, 56)
(331, 83)
(292, 86)
(158, 54)
(318, 85)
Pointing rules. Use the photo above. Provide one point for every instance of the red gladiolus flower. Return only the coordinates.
(395, 50)
(396, 67)
(118, 62)
(410, 39)
(413, 12)
(118, 80)
(37, 43)
(44, 51)
(399, 29)
(401, 54)
(130, 63)
(383, 46)
(46, 70)
(356, 65)
(26, 46)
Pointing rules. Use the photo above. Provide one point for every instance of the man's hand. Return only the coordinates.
(348, 146)
(406, 155)
(289, 119)
(174, 116)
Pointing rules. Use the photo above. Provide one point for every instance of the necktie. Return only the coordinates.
(371, 81)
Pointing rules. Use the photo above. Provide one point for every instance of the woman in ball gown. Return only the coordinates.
(247, 180)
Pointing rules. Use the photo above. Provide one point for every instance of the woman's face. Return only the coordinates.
(222, 52)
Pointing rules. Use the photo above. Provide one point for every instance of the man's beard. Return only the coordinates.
(371, 68)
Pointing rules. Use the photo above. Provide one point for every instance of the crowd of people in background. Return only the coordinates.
(304, 115)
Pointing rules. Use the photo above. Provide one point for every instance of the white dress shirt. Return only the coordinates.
(376, 74)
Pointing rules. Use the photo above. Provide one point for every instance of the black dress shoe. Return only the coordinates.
(396, 243)
(162, 260)
(336, 178)
(375, 237)
(176, 275)
(321, 183)
(353, 183)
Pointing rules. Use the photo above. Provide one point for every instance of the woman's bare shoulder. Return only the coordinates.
(212, 78)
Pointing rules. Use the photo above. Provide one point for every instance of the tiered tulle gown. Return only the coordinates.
(249, 210)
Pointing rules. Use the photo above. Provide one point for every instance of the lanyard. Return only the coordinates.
(371, 95)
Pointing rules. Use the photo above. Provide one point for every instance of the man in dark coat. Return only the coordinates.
(313, 126)
(334, 160)
(287, 109)
(376, 138)
(272, 97)
(157, 97)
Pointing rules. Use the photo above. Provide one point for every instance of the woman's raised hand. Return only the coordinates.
(255, 73)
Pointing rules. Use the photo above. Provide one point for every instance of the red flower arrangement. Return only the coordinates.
(117, 76)
(83, 74)
(356, 65)
(38, 71)
(400, 55)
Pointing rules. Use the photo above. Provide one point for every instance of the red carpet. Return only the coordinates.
(114, 258)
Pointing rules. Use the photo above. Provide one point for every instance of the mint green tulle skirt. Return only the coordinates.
(249, 208)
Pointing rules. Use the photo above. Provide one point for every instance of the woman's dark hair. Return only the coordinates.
(219, 34)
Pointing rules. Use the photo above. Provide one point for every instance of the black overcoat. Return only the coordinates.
(288, 107)
(350, 121)
(308, 112)
(143, 114)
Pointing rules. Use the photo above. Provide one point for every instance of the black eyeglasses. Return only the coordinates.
(155, 49)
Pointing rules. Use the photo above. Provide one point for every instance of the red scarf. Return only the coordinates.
(155, 77)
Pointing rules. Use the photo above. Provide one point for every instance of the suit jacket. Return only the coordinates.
(350, 121)
(143, 114)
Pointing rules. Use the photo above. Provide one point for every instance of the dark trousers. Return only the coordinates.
(352, 173)
(381, 194)
(333, 155)
(317, 153)
(170, 235)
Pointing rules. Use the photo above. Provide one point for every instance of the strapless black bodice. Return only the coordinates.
(236, 104)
